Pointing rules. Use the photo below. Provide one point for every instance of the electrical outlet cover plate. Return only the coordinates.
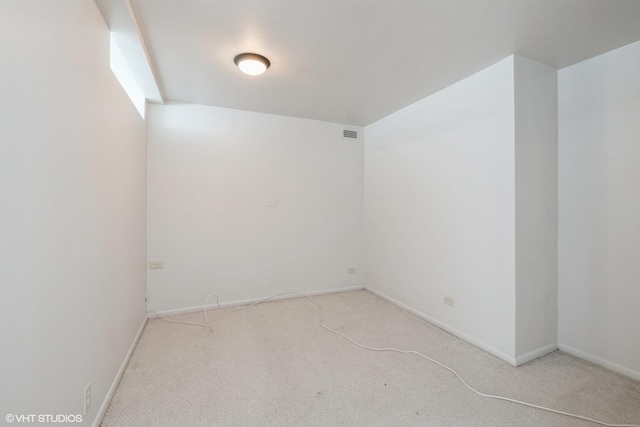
(153, 265)
(87, 398)
(449, 301)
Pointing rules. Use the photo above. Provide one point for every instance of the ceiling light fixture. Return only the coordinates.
(252, 63)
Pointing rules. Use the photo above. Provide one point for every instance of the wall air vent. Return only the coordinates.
(350, 134)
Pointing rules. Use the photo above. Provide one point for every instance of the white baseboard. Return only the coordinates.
(212, 305)
(539, 352)
(601, 362)
(116, 380)
(499, 354)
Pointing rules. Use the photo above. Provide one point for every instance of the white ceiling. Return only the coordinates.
(356, 61)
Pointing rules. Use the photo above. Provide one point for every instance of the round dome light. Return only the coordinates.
(252, 63)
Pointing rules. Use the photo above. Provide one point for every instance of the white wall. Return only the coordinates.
(599, 209)
(439, 208)
(211, 172)
(536, 156)
(72, 210)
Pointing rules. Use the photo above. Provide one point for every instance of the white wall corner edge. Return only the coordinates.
(635, 375)
(116, 381)
(534, 354)
(283, 296)
(497, 353)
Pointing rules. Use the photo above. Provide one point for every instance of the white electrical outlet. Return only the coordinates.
(351, 270)
(87, 398)
(449, 301)
(270, 203)
(153, 265)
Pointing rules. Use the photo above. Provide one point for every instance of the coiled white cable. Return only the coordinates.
(206, 317)
(490, 396)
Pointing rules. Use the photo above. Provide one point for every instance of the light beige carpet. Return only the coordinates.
(272, 365)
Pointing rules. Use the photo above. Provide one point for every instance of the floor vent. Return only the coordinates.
(350, 134)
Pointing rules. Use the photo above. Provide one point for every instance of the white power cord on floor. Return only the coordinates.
(490, 396)
(206, 317)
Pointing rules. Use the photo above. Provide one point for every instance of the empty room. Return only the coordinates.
(320, 213)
